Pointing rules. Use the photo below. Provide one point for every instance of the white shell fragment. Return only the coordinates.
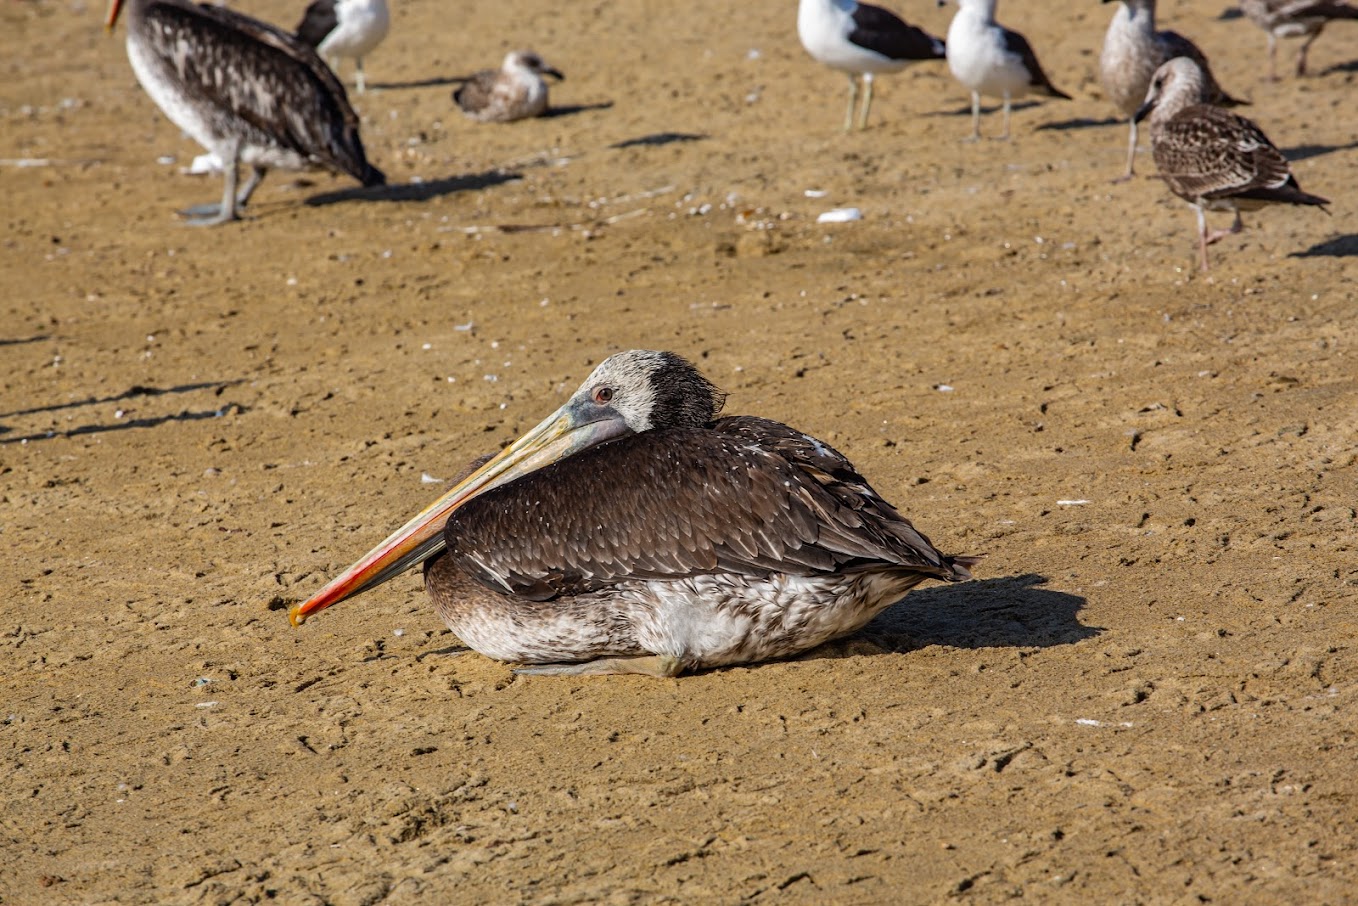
(205, 163)
(840, 215)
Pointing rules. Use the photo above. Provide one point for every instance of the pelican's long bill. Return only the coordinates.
(570, 429)
(114, 8)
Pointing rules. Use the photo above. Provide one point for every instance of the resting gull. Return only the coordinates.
(515, 91)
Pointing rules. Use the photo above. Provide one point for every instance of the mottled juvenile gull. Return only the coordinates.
(1132, 51)
(345, 28)
(861, 40)
(1294, 19)
(990, 59)
(1212, 158)
(246, 91)
(515, 91)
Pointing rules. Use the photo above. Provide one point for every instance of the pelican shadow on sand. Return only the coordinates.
(1008, 612)
(416, 191)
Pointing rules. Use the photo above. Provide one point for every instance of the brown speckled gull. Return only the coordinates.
(1132, 50)
(1212, 158)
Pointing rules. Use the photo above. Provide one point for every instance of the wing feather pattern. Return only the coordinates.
(884, 32)
(264, 76)
(1209, 153)
(745, 496)
(1018, 45)
(478, 92)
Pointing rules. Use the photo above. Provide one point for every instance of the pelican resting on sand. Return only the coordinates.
(634, 531)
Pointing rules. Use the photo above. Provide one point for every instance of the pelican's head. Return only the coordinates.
(631, 392)
(645, 390)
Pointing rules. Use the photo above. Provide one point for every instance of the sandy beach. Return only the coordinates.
(1147, 695)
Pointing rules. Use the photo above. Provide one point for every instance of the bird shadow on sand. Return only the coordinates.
(1079, 122)
(1230, 14)
(656, 139)
(432, 82)
(19, 341)
(1010, 612)
(1338, 247)
(123, 422)
(965, 110)
(416, 191)
(1350, 66)
(571, 109)
(1302, 152)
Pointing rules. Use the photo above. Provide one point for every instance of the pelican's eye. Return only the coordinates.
(603, 395)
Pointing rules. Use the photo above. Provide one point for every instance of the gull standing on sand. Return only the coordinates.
(246, 91)
(1132, 51)
(1294, 19)
(345, 28)
(515, 91)
(990, 59)
(861, 40)
(1211, 158)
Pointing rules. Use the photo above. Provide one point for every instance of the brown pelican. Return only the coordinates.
(515, 91)
(345, 28)
(1210, 157)
(633, 531)
(861, 40)
(246, 91)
